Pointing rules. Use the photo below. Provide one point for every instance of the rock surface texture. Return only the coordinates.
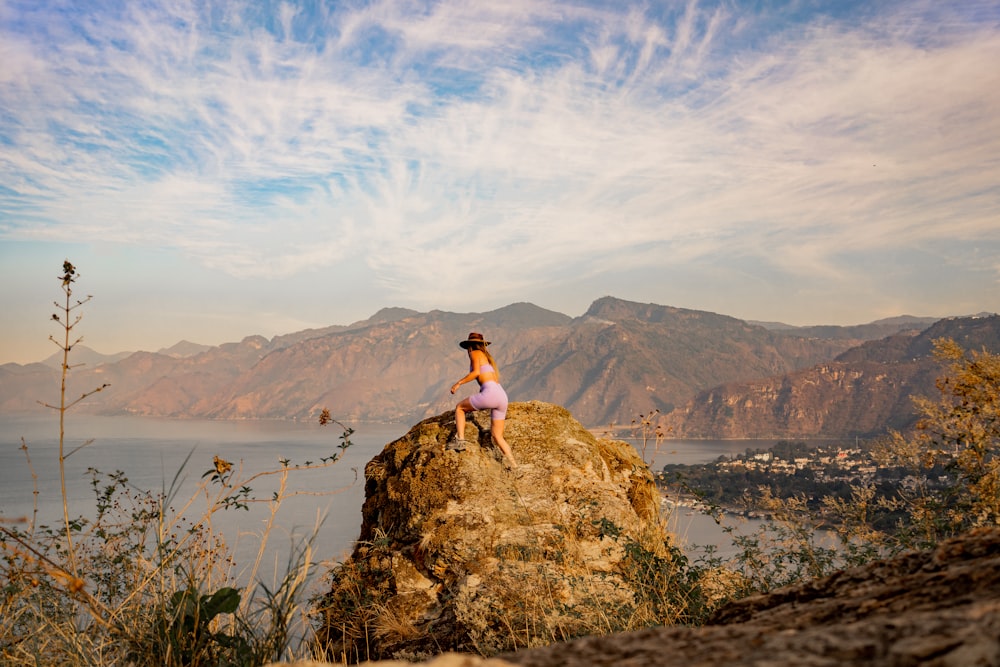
(457, 553)
(937, 608)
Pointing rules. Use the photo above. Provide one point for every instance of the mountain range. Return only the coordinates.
(863, 391)
(617, 361)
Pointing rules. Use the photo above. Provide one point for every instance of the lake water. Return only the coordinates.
(151, 452)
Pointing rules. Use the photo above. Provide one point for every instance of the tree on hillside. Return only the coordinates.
(945, 480)
(961, 433)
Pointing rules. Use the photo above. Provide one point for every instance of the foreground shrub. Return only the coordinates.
(950, 483)
(148, 578)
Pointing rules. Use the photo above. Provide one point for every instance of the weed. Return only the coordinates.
(147, 579)
(952, 483)
(645, 428)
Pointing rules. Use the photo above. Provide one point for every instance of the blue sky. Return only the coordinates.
(221, 169)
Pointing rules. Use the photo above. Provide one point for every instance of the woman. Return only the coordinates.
(491, 396)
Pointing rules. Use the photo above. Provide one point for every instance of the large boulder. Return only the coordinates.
(456, 553)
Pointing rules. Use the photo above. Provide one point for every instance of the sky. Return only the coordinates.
(221, 169)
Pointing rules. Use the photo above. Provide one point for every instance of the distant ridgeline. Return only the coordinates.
(709, 375)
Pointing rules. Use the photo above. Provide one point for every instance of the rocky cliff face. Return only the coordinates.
(834, 399)
(864, 391)
(457, 553)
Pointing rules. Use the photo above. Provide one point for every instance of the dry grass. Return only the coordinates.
(147, 579)
(112, 597)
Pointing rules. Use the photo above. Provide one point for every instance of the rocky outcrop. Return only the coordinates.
(456, 553)
(937, 608)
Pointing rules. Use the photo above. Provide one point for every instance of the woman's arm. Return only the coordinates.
(477, 358)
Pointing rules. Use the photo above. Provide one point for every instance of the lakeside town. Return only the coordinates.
(734, 483)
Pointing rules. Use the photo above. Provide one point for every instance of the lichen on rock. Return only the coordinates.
(456, 553)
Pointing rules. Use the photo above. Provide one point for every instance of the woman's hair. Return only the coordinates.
(489, 357)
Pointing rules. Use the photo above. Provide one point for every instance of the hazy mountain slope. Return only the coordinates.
(21, 387)
(185, 348)
(622, 359)
(864, 391)
(152, 384)
(871, 331)
(383, 315)
(971, 332)
(389, 370)
(81, 354)
(616, 361)
(397, 362)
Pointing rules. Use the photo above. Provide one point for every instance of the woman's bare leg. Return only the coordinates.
(496, 429)
(460, 410)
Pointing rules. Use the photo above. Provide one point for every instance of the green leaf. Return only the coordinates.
(223, 601)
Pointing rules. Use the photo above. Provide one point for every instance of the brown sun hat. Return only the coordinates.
(474, 337)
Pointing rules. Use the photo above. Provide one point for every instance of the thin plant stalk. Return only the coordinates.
(67, 279)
